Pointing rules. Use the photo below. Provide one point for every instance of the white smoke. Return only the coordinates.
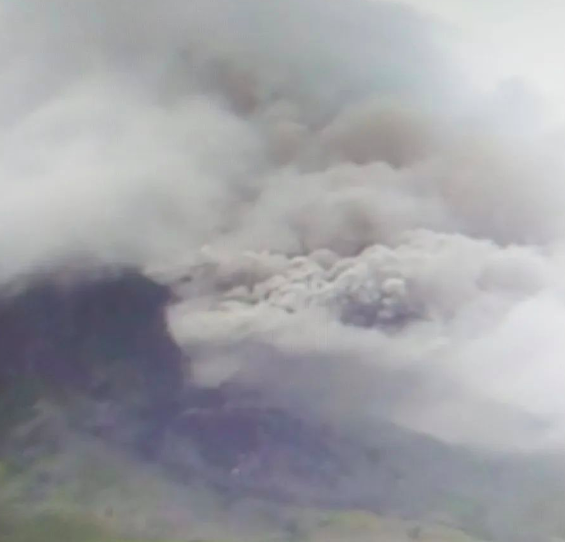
(382, 238)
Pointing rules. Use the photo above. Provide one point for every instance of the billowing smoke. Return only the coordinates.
(353, 228)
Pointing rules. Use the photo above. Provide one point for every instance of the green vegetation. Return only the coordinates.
(83, 491)
(361, 526)
(52, 528)
(338, 527)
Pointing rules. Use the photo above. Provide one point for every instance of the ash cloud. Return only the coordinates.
(365, 233)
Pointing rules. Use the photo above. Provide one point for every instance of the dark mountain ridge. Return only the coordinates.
(99, 348)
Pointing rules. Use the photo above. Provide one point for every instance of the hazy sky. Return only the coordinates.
(509, 38)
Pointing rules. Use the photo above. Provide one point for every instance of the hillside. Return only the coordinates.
(109, 430)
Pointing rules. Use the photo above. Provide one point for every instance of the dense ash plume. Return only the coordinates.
(358, 231)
